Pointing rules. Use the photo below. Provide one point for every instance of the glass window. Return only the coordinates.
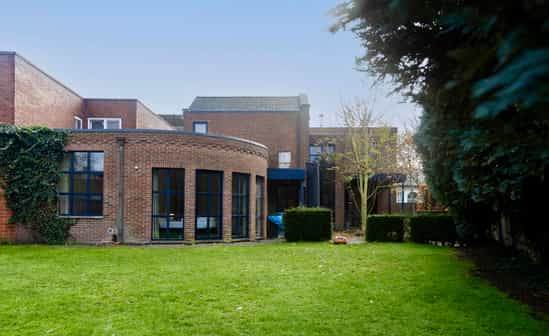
(96, 124)
(77, 123)
(168, 197)
(314, 152)
(209, 204)
(200, 127)
(284, 159)
(259, 206)
(241, 200)
(329, 148)
(104, 123)
(80, 187)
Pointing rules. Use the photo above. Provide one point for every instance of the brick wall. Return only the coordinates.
(7, 231)
(41, 100)
(146, 150)
(277, 130)
(112, 108)
(7, 88)
(145, 118)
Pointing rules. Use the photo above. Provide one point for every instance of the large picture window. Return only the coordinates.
(259, 206)
(168, 204)
(209, 204)
(241, 205)
(80, 189)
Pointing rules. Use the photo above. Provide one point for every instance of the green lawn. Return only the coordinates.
(269, 289)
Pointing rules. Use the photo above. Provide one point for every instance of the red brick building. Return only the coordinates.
(212, 174)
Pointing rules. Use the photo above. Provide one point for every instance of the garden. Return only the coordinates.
(261, 289)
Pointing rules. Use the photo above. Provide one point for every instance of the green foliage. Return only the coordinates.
(439, 227)
(480, 70)
(30, 160)
(307, 224)
(385, 228)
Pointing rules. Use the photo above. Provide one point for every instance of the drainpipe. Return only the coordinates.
(120, 187)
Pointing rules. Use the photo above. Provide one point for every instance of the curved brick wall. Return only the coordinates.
(148, 149)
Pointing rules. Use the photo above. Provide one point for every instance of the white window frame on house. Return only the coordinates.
(200, 123)
(105, 120)
(284, 159)
(77, 123)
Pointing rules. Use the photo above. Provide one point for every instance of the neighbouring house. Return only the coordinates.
(211, 174)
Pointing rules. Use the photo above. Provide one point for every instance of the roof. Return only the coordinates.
(248, 104)
(175, 120)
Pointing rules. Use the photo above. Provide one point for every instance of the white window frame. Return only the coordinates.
(80, 121)
(105, 122)
(284, 164)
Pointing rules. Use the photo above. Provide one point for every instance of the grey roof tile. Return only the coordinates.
(248, 104)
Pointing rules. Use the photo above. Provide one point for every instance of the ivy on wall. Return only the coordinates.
(30, 159)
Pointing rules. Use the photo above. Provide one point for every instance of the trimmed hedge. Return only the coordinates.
(307, 224)
(385, 228)
(437, 227)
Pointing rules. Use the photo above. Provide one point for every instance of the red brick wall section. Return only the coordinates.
(112, 108)
(145, 118)
(7, 231)
(6, 88)
(276, 130)
(147, 150)
(41, 100)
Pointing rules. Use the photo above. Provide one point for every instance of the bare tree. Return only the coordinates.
(368, 150)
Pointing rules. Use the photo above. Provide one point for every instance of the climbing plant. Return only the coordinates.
(30, 160)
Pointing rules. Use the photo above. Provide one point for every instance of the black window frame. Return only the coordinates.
(259, 207)
(168, 192)
(71, 194)
(240, 197)
(208, 193)
(200, 123)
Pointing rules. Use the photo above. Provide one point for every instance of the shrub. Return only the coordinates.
(308, 224)
(439, 227)
(385, 228)
(29, 171)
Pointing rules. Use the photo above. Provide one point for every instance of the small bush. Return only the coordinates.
(385, 228)
(307, 224)
(439, 227)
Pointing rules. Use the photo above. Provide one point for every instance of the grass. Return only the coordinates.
(269, 289)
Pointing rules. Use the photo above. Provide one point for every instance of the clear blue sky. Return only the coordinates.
(167, 52)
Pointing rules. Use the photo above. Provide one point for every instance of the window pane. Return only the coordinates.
(66, 163)
(162, 179)
(79, 183)
(95, 206)
(63, 201)
(215, 209)
(215, 182)
(214, 226)
(202, 185)
(96, 161)
(97, 124)
(96, 183)
(200, 127)
(160, 206)
(80, 161)
(284, 159)
(176, 205)
(64, 183)
(314, 149)
(177, 180)
(77, 123)
(159, 228)
(79, 205)
(330, 148)
(113, 124)
(202, 205)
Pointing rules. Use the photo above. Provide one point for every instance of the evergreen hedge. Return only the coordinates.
(436, 227)
(307, 224)
(385, 228)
